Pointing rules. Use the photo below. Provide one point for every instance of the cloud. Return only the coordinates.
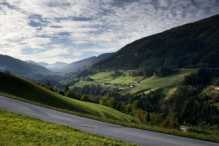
(99, 50)
(36, 42)
(54, 52)
(52, 55)
(163, 3)
(205, 4)
(70, 29)
(77, 53)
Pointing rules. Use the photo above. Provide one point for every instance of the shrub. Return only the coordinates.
(84, 98)
(70, 94)
(146, 117)
(197, 130)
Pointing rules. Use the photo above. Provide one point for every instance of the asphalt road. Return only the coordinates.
(132, 135)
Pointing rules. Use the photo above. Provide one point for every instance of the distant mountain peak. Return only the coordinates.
(19, 67)
(84, 63)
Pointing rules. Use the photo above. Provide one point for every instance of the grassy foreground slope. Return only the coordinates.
(23, 89)
(22, 130)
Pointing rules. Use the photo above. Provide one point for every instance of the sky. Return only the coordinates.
(71, 30)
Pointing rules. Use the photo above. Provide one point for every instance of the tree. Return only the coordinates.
(128, 108)
(136, 105)
(66, 88)
(84, 98)
(49, 86)
(146, 117)
(70, 94)
(112, 103)
(61, 92)
(48, 83)
(103, 101)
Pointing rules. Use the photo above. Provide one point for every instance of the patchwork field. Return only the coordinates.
(168, 83)
(81, 84)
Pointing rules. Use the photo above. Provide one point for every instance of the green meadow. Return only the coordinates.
(81, 84)
(101, 75)
(168, 83)
(22, 89)
(19, 130)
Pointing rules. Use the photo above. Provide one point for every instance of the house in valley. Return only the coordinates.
(216, 87)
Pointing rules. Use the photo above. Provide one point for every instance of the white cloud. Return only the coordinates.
(99, 50)
(54, 52)
(77, 53)
(98, 26)
(163, 3)
(36, 42)
(14, 25)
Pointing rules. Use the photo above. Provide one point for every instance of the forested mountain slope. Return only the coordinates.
(193, 45)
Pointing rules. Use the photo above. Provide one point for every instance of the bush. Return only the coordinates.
(136, 105)
(61, 92)
(164, 71)
(157, 118)
(128, 108)
(70, 94)
(84, 98)
(146, 117)
(199, 131)
(167, 123)
(103, 101)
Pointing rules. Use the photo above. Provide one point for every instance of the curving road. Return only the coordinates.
(132, 135)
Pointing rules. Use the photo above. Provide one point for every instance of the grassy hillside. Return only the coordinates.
(22, 130)
(188, 46)
(26, 90)
(168, 83)
(82, 83)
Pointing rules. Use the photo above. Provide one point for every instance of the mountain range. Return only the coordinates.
(194, 45)
(29, 67)
(53, 67)
(20, 67)
(84, 63)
